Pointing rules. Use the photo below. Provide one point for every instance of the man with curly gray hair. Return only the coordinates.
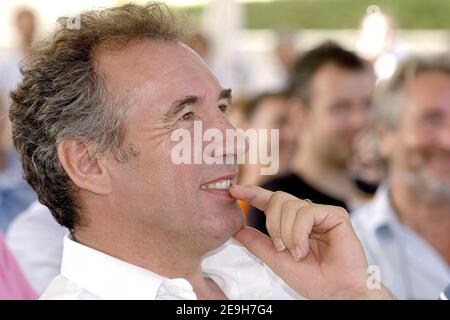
(92, 121)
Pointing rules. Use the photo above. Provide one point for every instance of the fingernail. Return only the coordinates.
(278, 243)
(296, 254)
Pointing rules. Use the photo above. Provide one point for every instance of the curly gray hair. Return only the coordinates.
(62, 95)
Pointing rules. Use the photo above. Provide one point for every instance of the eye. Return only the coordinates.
(187, 116)
(223, 108)
(340, 107)
(431, 118)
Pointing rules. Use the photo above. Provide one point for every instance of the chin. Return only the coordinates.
(223, 228)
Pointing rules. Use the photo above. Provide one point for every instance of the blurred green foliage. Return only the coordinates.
(341, 14)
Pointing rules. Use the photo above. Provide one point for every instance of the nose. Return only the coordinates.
(226, 141)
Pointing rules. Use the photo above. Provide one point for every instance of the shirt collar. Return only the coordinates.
(231, 266)
(107, 277)
(383, 216)
(237, 272)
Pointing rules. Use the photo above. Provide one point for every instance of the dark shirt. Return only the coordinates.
(295, 185)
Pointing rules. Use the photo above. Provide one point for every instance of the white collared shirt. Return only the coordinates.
(90, 274)
(408, 266)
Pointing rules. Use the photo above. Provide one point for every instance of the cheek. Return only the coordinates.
(410, 148)
(416, 140)
(333, 123)
(330, 132)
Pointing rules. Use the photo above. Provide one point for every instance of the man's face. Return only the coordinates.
(273, 113)
(26, 25)
(340, 107)
(170, 87)
(421, 145)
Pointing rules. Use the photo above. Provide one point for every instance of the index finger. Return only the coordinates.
(255, 196)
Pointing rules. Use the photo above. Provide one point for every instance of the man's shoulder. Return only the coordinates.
(360, 214)
(37, 220)
(63, 289)
(445, 295)
(60, 288)
(369, 213)
(361, 219)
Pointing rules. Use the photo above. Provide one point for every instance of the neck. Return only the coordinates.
(147, 248)
(333, 180)
(427, 216)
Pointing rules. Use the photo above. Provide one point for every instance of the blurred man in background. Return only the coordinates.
(270, 110)
(333, 93)
(15, 194)
(405, 228)
(25, 22)
(284, 56)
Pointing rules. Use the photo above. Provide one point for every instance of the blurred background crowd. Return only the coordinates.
(334, 77)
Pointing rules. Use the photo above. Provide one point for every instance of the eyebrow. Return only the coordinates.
(225, 94)
(179, 105)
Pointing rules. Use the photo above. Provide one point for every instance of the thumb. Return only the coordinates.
(258, 244)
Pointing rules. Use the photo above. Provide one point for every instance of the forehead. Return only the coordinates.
(429, 89)
(152, 67)
(334, 80)
(273, 105)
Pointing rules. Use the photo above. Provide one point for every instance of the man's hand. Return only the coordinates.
(313, 248)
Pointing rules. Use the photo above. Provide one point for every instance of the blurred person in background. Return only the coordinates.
(366, 165)
(234, 74)
(200, 44)
(13, 285)
(270, 110)
(36, 241)
(285, 54)
(15, 194)
(333, 92)
(405, 228)
(25, 23)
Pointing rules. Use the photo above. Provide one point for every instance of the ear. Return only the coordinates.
(86, 172)
(387, 140)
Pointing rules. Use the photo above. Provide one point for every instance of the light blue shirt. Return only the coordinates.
(445, 295)
(408, 266)
(15, 194)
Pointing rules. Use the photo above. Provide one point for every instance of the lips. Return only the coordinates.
(223, 184)
(220, 183)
